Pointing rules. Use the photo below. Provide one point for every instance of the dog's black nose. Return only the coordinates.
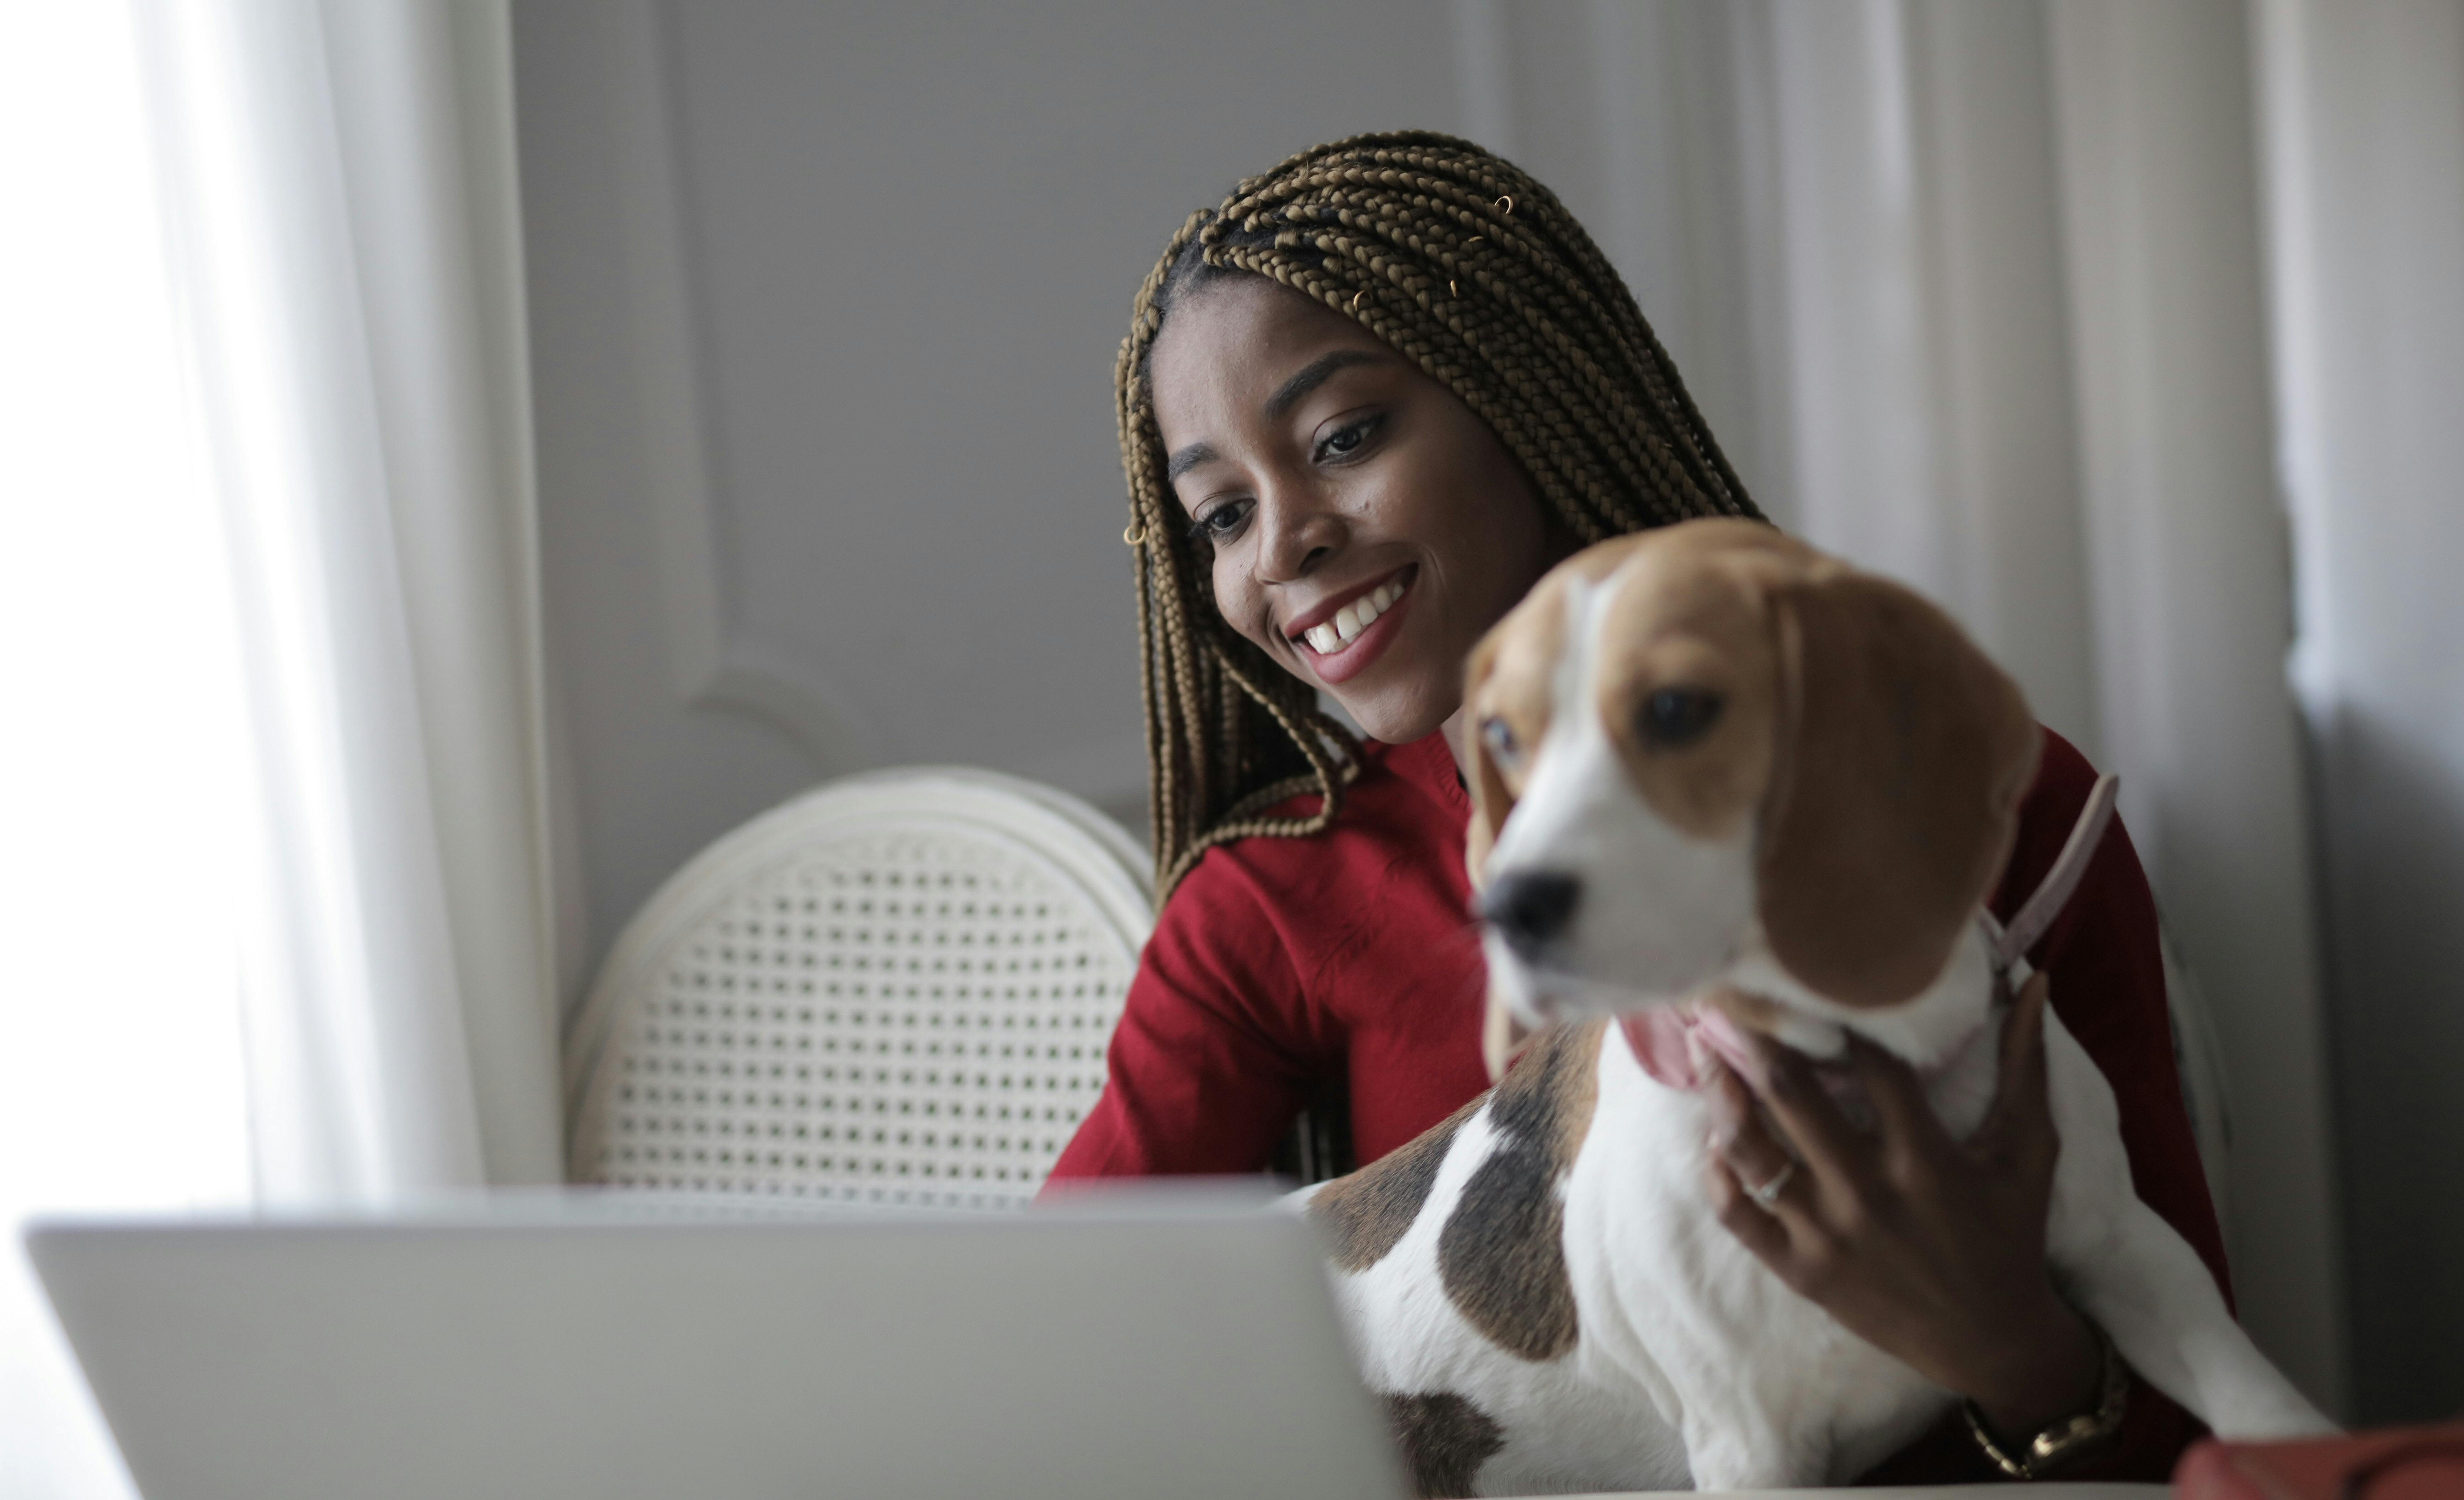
(1530, 907)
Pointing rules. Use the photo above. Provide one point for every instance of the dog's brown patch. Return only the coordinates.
(1444, 1439)
(1366, 1214)
(1501, 1254)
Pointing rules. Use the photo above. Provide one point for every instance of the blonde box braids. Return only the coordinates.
(1479, 275)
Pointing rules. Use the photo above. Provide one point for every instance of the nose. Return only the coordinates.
(1530, 906)
(1298, 533)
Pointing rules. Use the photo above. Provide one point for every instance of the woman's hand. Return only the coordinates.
(1929, 1249)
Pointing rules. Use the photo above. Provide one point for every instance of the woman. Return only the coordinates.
(1364, 404)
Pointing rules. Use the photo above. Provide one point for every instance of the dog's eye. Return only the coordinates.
(1499, 736)
(1678, 716)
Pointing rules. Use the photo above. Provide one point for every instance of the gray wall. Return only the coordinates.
(824, 302)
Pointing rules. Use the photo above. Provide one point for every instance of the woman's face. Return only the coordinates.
(1366, 527)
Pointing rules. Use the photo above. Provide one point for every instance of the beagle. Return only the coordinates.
(1707, 759)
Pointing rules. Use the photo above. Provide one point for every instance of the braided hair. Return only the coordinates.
(1479, 276)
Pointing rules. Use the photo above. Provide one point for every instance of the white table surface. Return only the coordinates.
(2039, 1491)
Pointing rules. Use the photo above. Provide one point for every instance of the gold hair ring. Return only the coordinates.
(1356, 296)
(1505, 206)
(1135, 534)
(1474, 240)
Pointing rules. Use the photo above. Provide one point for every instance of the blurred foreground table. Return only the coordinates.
(2036, 1491)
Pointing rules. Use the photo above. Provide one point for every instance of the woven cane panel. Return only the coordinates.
(897, 1018)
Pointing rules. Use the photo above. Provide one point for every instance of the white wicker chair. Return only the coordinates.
(897, 988)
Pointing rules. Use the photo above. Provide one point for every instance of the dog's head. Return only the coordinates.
(1708, 739)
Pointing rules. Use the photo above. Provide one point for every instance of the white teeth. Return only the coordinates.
(1352, 620)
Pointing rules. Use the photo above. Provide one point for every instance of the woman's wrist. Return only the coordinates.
(2056, 1371)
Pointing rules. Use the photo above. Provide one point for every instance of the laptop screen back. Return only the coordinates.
(1113, 1349)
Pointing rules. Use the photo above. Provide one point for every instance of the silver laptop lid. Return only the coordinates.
(1125, 1346)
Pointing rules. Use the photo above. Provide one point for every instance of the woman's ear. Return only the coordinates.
(1902, 755)
(1490, 801)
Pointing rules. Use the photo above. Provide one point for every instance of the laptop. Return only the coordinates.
(610, 1346)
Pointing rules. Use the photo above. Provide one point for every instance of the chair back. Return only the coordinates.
(897, 988)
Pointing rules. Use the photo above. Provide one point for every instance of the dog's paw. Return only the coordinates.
(2279, 1418)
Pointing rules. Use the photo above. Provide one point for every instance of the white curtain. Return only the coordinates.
(2362, 105)
(271, 780)
(2028, 366)
(121, 1079)
(338, 178)
(1974, 294)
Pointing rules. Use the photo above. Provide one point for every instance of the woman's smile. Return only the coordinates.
(1340, 636)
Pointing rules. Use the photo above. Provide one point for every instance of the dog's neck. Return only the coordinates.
(1929, 1030)
(1673, 1042)
(1926, 1031)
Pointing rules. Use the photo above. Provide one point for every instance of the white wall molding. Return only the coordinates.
(1110, 772)
(712, 666)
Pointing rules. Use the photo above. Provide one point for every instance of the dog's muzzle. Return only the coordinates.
(1529, 909)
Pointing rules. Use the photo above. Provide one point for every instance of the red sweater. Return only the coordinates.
(1280, 962)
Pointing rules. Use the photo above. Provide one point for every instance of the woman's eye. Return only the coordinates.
(1348, 440)
(1219, 521)
(1499, 736)
(1674, 717)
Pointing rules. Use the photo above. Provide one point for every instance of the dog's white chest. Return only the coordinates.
(1764, 1387)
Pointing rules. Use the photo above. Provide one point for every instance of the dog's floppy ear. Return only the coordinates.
(1490, 801)
(1902, 757)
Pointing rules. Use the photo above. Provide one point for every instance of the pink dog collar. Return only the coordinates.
(1666, 1037)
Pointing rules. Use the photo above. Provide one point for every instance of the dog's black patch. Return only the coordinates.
(1444, 1439)
(1501, 1254)
(1365, 1215)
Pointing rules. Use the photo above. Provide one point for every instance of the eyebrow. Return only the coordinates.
(1314, 375)
(1187, 459)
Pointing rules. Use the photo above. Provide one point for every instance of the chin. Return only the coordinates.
(1394, 724)
(1401, 711)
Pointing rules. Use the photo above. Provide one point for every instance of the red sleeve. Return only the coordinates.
(2109, 985)
(1216, 1045)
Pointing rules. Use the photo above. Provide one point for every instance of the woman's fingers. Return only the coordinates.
(1771, 1183)
(1911, 1133)
(1737, 1136)
(1803, 1110)
(2022, 1114)
(1737, 1211)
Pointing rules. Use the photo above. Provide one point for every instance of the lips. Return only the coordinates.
(1340, 636)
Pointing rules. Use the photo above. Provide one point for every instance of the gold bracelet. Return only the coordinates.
(2054, 1446)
